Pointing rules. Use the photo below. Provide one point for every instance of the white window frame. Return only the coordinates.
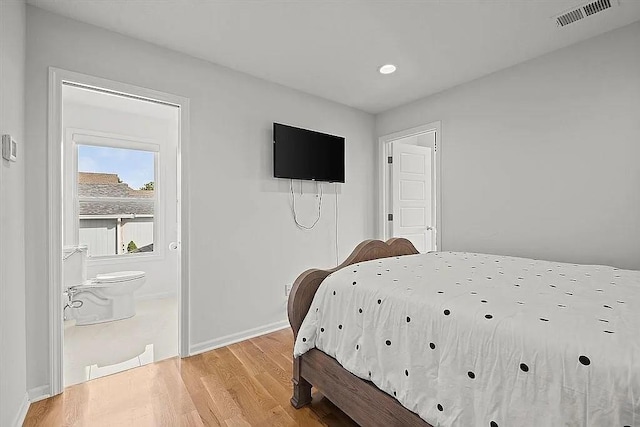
(75, 137)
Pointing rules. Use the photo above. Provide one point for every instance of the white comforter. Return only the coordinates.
(480, 340)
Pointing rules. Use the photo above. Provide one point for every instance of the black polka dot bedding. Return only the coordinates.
(467, 339)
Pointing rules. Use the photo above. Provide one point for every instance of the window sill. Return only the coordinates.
(124, 259)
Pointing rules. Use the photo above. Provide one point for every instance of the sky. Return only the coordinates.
(135, 167)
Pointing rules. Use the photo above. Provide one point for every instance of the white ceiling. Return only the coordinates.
(332, 48)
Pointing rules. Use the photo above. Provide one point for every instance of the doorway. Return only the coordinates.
(410, 196)
(118, 206)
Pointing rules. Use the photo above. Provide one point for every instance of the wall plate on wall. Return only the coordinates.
(9, 148)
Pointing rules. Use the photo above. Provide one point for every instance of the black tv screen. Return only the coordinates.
(305, 154)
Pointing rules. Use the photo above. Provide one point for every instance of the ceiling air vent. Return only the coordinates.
(596, 6)
(581, 12)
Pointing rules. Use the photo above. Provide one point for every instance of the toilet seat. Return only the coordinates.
(118, 276)
(111, 279)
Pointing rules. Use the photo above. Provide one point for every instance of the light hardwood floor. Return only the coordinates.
(244, 384)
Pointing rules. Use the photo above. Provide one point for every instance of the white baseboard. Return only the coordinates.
(39, 393)
(159, 295)
(22, 412)
(237, 337)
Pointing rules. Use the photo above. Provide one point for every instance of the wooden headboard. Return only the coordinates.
(306, 285)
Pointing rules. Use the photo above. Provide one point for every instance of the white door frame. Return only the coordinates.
(58, 77)
(384, 151)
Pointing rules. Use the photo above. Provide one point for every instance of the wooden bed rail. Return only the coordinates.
(359, 399)
(307, 284)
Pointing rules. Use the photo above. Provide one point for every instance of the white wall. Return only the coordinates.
(244, 244)
(12, 212)
(99, 235)
(139, 231)
(542, 159)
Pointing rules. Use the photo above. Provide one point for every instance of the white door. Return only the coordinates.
(412, 195)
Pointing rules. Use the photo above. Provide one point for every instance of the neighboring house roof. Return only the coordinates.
(99, 185)
(97, 178)
(142, 207)
(104, 190)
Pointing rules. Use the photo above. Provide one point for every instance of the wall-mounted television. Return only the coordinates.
(305, 154)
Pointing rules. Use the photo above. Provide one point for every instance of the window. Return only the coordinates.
(116, 199)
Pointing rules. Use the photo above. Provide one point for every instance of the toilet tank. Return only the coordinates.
(74, 265)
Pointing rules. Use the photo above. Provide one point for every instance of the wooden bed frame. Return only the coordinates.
(359, 399)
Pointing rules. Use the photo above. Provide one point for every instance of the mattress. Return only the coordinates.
(467, 339)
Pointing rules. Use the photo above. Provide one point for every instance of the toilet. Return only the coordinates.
(107, 297)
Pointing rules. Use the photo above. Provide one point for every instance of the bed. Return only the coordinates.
(394, 337)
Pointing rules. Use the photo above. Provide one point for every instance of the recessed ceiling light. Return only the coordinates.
(387, 69)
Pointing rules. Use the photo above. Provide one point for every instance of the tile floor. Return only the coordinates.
(94, 351)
